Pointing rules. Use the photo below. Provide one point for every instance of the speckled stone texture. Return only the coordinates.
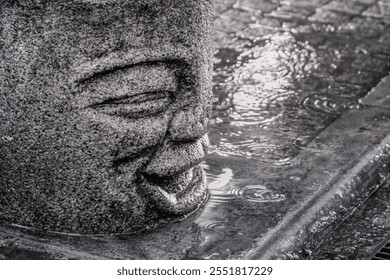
(104, 108)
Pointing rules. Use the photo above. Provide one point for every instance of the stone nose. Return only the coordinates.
(188, 125)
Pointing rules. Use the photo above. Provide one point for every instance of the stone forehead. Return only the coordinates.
(135, 24)
(183, 14)
(119, 1)
(133, 3)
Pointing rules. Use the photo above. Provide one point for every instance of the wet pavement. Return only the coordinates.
(360, 234)
(285, 70)
(296, 140)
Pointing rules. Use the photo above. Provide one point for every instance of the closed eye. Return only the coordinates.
(136, 106)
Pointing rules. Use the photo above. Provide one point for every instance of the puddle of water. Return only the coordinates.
(227, 186)
(254, 96)
(272, 96)
(258, 117)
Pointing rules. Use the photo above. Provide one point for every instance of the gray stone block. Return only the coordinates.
(104, 108)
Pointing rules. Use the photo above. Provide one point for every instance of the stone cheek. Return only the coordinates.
(89, 92)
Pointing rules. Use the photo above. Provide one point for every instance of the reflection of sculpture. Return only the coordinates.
(104, 107)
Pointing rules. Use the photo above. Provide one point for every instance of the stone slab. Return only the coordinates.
(342, 178)
(380, 97)
(362, 234)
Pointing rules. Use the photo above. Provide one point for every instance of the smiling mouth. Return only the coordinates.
(177, 195)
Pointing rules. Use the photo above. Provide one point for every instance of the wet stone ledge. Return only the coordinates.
(359, 235)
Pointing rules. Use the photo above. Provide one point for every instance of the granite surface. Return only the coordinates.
(104, 109)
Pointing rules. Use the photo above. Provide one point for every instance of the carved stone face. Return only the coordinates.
(104, 107)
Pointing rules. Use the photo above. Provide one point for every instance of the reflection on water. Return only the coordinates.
(260, 116)
(254, 93)
(272, 96)
(218, 181)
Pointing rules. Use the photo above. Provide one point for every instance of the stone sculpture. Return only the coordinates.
(104, 108)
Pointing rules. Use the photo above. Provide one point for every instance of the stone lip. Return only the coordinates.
(347, 163)
(190, 198)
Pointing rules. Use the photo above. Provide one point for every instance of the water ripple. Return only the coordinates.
(254, 90)
(257, 193)
(322, 104)
(213, 225)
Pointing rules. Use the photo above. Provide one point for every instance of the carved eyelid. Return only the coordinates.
(125, 82)
(96, 71)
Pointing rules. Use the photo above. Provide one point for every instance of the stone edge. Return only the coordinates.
(302, 231)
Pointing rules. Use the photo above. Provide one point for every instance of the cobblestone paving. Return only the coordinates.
(286, 69)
